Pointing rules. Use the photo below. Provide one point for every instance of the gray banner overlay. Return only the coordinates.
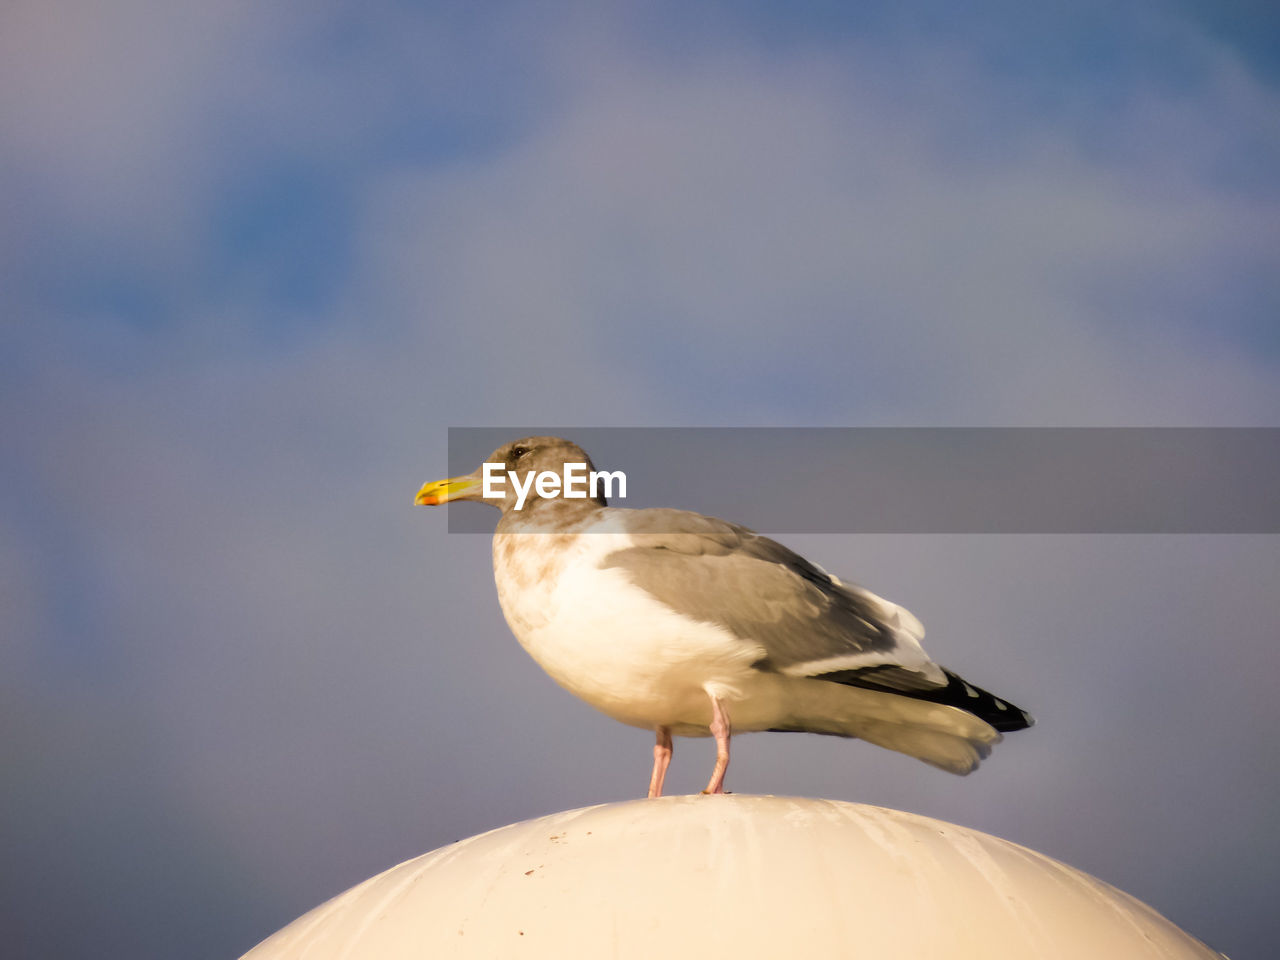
(926, 480)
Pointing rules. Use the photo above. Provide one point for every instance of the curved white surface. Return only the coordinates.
(732, 876)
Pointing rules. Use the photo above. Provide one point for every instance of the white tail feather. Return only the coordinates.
(943, 736)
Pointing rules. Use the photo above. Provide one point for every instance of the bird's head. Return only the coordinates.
(512, 468)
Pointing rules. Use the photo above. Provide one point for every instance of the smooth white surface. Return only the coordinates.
(732, 876)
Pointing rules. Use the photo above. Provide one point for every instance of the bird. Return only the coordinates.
(691, 626)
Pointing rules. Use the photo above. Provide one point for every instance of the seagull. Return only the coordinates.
(691, 626)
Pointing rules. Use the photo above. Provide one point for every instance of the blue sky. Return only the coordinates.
(255, 261)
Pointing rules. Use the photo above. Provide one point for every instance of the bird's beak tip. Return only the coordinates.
(430, 494)
(442, 491)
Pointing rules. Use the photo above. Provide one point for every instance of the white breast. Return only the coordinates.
(611, 643)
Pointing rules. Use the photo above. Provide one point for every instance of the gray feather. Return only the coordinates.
(756, 588)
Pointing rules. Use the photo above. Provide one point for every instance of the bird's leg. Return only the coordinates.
(661, 758)
(722, 731)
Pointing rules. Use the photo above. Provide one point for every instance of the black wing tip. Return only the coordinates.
(1000, 713)
(1004, 716)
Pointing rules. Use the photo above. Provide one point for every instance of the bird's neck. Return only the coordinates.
(549, 515)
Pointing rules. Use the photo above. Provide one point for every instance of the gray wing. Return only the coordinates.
(807, 622)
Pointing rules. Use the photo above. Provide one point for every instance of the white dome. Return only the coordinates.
(732, 876)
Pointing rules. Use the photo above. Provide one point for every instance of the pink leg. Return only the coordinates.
(661, 758)
(722, 731)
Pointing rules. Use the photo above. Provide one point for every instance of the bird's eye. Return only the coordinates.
(518, 451)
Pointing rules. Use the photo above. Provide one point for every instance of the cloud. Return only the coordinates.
(804, 222)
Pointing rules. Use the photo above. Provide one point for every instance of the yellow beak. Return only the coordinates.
(442, 491)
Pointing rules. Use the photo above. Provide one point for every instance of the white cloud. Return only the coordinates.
(738, 212)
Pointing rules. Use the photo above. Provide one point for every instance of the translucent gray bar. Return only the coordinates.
(927, 480)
